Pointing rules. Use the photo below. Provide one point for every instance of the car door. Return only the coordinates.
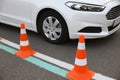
(1, 9)
(16, 11)
(0, 6)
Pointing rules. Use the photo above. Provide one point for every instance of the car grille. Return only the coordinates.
(113, 13)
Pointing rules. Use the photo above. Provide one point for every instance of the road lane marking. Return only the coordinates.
(41, 56)
(47, 66)
(7, 49)
(54, 69)
(99, 76)
(54, 61)
(57, 62)
(9, 43)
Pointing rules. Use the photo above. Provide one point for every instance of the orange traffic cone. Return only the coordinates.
(80, 70)
(25, 50)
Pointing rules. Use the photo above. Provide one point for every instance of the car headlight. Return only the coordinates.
(85, 7)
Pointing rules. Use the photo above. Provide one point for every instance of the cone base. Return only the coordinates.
(83, 76)
(25, 54)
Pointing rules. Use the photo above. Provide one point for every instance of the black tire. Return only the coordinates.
(64, 30)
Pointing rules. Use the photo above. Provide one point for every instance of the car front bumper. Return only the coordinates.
(78, 20)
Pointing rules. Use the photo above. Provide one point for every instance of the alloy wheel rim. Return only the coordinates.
(52, 28)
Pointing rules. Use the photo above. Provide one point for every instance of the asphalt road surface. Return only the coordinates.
(103, 56)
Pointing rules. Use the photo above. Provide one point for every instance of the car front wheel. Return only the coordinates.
(53, 27)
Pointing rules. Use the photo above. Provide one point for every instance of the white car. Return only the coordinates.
(59, 20)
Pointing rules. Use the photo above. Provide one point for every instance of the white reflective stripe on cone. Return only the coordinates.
(23, 31)
(24, 43)
(81, 46)
(81, 62)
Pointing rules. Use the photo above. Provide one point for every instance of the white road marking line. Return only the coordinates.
(98, 76)
(57, 62)
(54, 61)
(9, 43)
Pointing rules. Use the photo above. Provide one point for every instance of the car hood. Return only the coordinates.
(96, 2)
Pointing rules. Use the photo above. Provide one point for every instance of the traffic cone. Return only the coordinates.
(80, 70)
(25, 50)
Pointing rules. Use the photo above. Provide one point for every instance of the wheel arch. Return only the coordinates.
(41, 12)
